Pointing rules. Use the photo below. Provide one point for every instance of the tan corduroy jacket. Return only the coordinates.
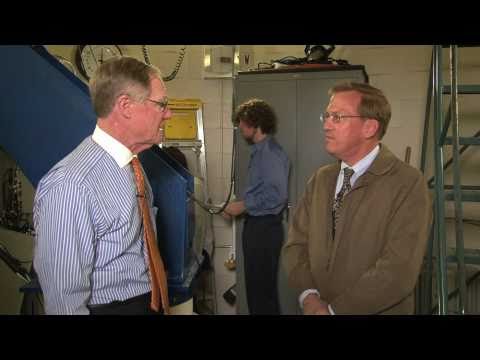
(372, 265)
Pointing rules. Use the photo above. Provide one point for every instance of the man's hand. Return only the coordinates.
(226, 216)
(235, 208)
(313, 305)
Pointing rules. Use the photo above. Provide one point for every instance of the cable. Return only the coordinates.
(232, 175)
(291, 60)
(200, 203)
(145, 55)
(340, 62)
(324, 59)
(14, 264)
(181, 55)
(172, 76)
(269, 65)
(2, 246)
(212, 209)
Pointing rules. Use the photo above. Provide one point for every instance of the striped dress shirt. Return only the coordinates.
(89, 246)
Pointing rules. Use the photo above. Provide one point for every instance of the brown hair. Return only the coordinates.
(257, 113)
(117, 76)
(373, 105)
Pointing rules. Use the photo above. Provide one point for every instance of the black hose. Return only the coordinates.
(177, 65)
(145, 55)
(209, 208)
(232, 177)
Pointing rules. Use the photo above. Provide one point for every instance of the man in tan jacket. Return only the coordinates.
(358, 235)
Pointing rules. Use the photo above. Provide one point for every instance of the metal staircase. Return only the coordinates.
(440, 260)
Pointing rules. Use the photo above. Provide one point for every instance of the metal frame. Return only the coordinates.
(457, 192)
(198, 148)
(439, 230)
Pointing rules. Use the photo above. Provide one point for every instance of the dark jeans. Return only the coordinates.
(262, 242)
(138, 305)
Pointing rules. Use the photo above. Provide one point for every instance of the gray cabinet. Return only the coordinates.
(298, 97)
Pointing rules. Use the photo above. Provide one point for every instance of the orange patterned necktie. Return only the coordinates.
(158, 277)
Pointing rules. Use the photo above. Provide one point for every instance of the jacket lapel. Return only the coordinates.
(352, 200)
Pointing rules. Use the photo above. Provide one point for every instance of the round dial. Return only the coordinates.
(89, 57)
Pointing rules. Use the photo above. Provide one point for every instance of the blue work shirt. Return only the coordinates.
(267, 185)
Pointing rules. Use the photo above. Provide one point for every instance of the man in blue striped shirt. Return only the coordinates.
(89, 253)
(265, 198)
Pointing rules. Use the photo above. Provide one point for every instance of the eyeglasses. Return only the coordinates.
(162, 104)
(336, 118)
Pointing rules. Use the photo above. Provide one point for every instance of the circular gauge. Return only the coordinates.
(89, 57)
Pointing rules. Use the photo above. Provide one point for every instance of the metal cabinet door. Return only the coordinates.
(298, 99)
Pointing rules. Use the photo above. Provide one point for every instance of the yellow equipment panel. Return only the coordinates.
(183, 123)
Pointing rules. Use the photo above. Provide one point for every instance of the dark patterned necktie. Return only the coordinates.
(337, 204)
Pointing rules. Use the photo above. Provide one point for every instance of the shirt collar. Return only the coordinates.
(261, 144)
(120, 153)
(361, 166)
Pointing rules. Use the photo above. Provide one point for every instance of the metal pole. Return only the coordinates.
(427, 119)
(442, 292)
(428, 275)
(457, 192)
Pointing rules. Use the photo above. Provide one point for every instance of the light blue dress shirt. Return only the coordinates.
(89, 245)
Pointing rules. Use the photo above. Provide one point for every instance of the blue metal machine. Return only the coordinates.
(45, 112)
(171, 183)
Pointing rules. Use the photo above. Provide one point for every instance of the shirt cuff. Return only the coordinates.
(304, 294)
(250, 204)
(330, 310)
